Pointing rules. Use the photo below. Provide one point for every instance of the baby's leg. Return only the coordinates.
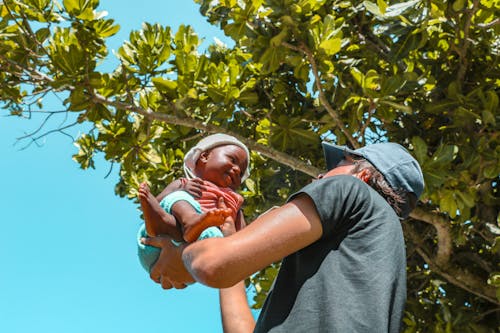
(157, 221)
(194, 223)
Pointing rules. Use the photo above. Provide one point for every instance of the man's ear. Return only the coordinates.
(365, 175)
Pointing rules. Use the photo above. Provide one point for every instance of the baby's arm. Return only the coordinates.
(173, 186)
(192, 186)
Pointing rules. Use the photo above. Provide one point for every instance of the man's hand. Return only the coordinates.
(195, 187)
(169, 270)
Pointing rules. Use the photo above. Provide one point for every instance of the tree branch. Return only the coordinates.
(269, 152)
(462, 50)
(444, 245)
(322, 98)
(453, 274)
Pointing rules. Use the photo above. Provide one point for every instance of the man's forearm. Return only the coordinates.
(235, 312)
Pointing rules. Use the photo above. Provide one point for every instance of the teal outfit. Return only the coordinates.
(148, 255)
(175, 196)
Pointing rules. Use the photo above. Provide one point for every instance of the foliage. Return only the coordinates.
(421, 73)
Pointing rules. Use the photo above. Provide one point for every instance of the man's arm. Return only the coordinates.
(236, 314)
(223, 262)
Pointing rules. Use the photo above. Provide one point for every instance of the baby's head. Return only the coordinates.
(220, 159)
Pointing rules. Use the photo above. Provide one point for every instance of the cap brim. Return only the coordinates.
(334, 154)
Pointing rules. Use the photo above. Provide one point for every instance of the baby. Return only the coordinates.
(188, 208)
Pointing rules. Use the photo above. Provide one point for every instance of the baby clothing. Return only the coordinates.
(208, 201)
(209, 198)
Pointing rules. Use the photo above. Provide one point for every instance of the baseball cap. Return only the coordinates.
(392, 160)
(207, 143)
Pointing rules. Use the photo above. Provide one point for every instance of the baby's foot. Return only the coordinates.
(156, 219)
(212, 218)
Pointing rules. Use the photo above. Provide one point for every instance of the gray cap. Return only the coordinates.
(393, 161)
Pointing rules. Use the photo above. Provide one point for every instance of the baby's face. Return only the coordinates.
(225, 165)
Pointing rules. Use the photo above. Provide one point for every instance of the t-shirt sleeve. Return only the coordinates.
(336, 200)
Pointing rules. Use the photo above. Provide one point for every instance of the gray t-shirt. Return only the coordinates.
(353, 279)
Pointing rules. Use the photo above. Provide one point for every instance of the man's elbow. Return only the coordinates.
(208, 268)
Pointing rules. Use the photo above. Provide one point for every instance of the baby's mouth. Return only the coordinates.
(232, 179)
(229, 179)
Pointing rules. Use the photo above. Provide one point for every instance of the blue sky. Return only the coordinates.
(68, 243)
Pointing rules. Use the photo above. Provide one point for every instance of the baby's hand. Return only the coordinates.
(228, 227)
(195, 187)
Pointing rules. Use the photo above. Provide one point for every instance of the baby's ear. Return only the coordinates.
(203, 156)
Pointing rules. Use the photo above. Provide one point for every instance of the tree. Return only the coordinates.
(421, 73)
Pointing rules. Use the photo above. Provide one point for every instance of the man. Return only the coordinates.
(341, 242)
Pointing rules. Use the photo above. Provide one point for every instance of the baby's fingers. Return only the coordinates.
(221, 204)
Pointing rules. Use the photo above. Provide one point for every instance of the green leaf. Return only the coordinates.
(358, 76)
(458, 5)
(488, 118)
(71, 5)
(397, 106)
(271, 59)
(441, 106)
(400, 8)
(466, 198)
(495, 248)
(392, 85)
(444, 155)
(331, 46)
(491, 101)
(250, 184)
(492, 170)
(372, 8)
(165, 86)
(433, 178)
(42, 34)
(249, 98)
(494, 279)
(419, 149)
(216, 94)
(279, 38)
(448, 204)
(382, 6)
(235, 30)
(105, 28)
(371, 80)
(87, 14)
